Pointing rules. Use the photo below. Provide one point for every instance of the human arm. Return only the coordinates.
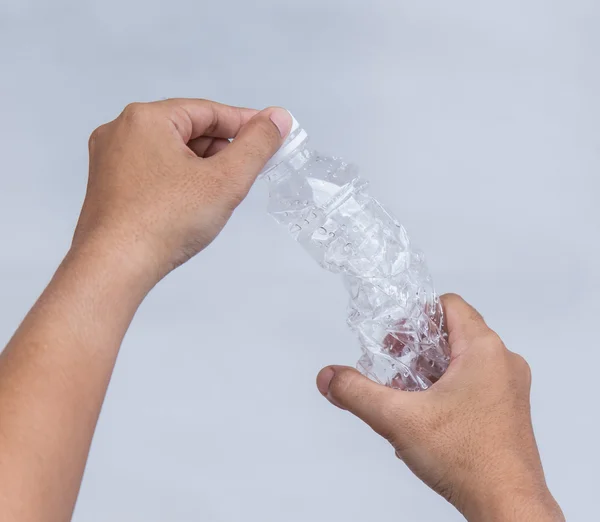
(163, 181)
(469, 437)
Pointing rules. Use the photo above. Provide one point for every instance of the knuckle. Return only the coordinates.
(342, 383)
(96, 135)
(493, 338)
(135, 112)
(93, 139)
(489, 343)
(522, 367)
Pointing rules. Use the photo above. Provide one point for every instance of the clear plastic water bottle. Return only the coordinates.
(394, 309)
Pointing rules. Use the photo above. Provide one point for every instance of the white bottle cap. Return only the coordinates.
(295, 138)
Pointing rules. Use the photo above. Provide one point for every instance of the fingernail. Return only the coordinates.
(282, 120)
(323, 380)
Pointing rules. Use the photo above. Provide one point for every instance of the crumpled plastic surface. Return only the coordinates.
(394, 309)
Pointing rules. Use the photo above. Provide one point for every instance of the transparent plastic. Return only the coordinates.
(394, 309)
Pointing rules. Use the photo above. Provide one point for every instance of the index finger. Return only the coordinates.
(195, 117)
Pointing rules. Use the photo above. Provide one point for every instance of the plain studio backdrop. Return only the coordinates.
(477, 124)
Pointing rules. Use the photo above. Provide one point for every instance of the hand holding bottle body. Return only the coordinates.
(469, 437)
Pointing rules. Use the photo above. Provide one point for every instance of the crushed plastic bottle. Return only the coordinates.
(393, 307)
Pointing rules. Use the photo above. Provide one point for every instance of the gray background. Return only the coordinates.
(477, 123)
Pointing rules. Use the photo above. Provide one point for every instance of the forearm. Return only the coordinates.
(53, 378)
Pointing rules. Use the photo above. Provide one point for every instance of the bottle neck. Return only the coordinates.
(292, 162)
(297, 159)
(290, 153)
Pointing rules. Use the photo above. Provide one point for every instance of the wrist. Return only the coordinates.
(129, 263)
(513, 503)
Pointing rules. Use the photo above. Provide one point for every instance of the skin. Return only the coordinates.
(469, 437)
(164, 179)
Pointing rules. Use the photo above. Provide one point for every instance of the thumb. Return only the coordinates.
(256, 143)
(348, 389)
